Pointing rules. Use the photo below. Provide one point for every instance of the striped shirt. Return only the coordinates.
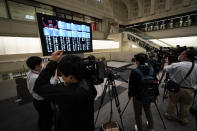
(178, 71)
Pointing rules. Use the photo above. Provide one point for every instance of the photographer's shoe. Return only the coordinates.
(146, 123)
(167, 116)
(149, 128)
(135, 128)
(183, 122)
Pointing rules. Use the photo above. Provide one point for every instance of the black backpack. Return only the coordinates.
(148, 86)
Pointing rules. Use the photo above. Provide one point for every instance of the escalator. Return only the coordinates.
(141, 39)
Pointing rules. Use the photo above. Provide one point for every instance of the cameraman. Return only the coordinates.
(136, 91)
(177, 71)
(75, 96)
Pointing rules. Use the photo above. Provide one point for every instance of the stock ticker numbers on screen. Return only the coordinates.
(71, 37)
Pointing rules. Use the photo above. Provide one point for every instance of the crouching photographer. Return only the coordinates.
(75, 96)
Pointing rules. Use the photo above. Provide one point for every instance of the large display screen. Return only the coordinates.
(62, 34)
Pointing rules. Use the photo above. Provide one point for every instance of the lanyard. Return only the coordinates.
(35, 72)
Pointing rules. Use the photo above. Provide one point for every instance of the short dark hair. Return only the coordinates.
(141, 57)
(180, 50)
(72, 65)
(33, 61)
(191, 53)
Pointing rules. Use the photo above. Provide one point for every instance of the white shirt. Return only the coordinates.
(31, 79)
(178, 71)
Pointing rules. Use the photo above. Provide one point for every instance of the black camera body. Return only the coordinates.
(171, 53)
(157, 57)
(95, 70)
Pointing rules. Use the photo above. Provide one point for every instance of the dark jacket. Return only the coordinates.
(76, 101)
(134, 82)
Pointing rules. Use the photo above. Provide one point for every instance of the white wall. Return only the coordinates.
(19, 45)
(28, 45)
(127, 50)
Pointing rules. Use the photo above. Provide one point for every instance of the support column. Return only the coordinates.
(152, 7)
(186, 2)
(140, 9)
(168, 5)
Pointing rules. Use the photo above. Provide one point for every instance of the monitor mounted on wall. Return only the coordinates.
(63, 34)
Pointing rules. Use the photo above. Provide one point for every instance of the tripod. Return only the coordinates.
(160, 116)
(157, 111)
(112, 91)
(165, 91)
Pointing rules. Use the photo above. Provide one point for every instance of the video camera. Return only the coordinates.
(157, 58)
(95, 70)
(164, 52)
(171, 53)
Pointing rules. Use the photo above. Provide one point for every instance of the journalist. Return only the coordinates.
(42, 106)
(136, 91)
(75, 96)
(177, 72)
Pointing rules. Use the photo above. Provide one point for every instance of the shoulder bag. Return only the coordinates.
(174, 86)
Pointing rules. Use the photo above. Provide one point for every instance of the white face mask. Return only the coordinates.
(179, 58)
(42, 66)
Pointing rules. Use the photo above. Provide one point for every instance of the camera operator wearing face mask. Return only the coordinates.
(177, 72)
(75, 96)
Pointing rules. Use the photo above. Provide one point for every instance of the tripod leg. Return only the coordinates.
(111, 99)
(121, 121)
(102, 100)
(165, 94)
(177, 110)
(125, 107)
(115, 95)
(160, 116)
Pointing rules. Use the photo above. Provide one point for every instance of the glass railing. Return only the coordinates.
(145, 37)
(140, 39)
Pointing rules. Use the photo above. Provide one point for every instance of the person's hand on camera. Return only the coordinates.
(56, 55)
(56, 75)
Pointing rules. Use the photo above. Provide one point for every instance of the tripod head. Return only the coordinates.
(112, 75)
(113, 94)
